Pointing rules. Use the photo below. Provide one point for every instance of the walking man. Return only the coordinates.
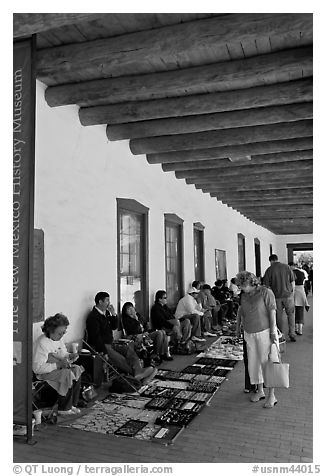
(280, 279)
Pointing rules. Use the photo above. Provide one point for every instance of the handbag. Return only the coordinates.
(276, 374)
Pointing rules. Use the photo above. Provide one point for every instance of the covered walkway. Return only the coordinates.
(230, 430)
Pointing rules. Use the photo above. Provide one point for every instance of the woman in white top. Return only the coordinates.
(54, 364)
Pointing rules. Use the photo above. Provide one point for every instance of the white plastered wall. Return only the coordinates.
(79, 175)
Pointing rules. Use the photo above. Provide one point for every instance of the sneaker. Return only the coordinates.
(75, 410)
(166, 357)
(209, 334)
(292, 339)
(66, 412)
(198, 339)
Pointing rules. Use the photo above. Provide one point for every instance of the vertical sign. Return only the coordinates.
(23, 218)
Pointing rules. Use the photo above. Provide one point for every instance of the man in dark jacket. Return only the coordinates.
(100, 323)
(162, 318)
(280, 279)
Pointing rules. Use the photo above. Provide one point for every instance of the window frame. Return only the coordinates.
(198, 227)
(243, 238)
(175, 220)
(132, 206)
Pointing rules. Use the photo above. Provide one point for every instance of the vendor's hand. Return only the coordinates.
(273, 337)
(52, 359)
(112, 310)
(73, 356)
(63, 364)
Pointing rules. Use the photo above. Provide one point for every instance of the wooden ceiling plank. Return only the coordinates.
(261, 96)
(246, 170)
(26, 24)
(206, 122)
(224, 137)
(278, 158)
(260, 148)
(239, 74)
(117, 56)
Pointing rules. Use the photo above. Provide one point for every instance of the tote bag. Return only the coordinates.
(276, 374)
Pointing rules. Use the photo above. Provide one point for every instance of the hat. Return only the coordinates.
(192, 290)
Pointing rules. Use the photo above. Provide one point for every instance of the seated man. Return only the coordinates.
(209, 303)
(222, 295)
(100, 323)
(188, 308)
(54, 364)
(162, 318)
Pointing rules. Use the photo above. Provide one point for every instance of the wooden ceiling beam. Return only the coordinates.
(258, 148)
(26, 24)
(289, 92)
(266, 177)
(278, 158)
(213, 187)
(116, 56)
(252, 194)
(224, 137)
(238, 74)
(209, 122)
(246, 170)
(265, 202)
(275, 209)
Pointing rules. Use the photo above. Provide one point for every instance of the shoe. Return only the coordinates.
(299, 333)
(66, 412)
(198, 339)
(292, 339)
(166, 357)
(150, 377)
(270, 404)
(209, 334)
(75, 410)
(257, 396)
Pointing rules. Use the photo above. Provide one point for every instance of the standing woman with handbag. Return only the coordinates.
(257, 315)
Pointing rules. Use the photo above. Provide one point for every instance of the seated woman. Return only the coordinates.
(162, 318)
(136, 328)
(54, 364)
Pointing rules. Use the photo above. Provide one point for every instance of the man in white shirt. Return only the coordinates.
(188, 308)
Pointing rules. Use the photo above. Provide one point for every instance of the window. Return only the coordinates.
(220, 264)
(173, 258)
(199, 258)
(257, 257)
(241, 252)
(132, 254)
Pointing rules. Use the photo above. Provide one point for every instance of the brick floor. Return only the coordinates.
(230, 430)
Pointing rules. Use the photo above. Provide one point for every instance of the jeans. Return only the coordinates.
(71, 398)
(286, 303)
(127, 361)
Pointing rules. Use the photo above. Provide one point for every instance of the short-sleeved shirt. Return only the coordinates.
(279, 277)
(255, 309)
(299, 277)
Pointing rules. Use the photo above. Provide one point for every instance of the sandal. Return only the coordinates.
(270, 404)
(257, 396)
